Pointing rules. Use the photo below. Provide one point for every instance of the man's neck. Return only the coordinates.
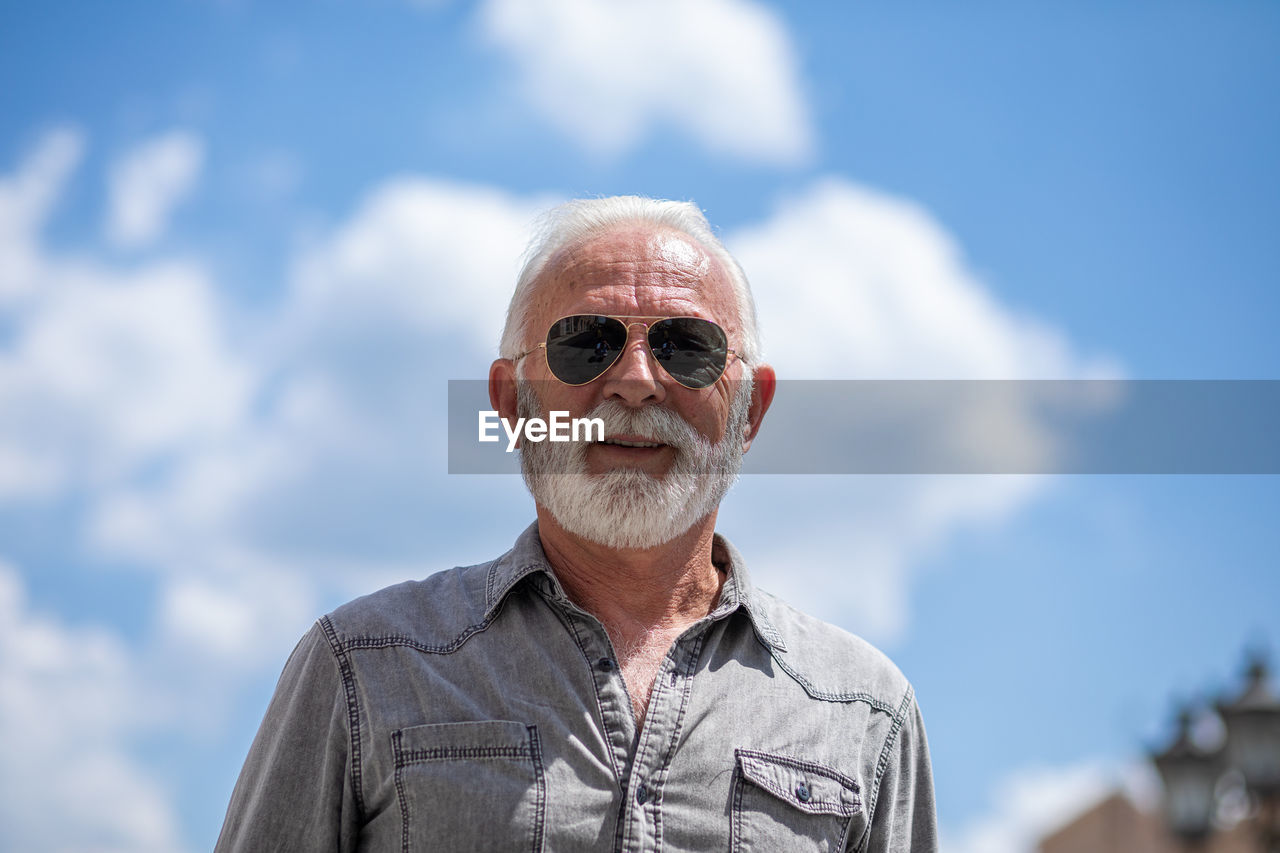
(636, 592)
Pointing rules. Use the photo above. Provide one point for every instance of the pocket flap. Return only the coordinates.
(805, 785)
(464, 741)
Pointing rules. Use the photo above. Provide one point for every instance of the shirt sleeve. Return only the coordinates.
(904, 820)
(296, 790)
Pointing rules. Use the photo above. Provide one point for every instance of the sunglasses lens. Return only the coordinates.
(581, 347)
(692, 350)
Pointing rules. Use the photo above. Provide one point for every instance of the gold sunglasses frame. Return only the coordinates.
(636, 320)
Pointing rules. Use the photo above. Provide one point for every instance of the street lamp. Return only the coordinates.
(1190, 772)
(1253, 747)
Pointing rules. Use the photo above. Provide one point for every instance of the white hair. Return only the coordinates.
(575, 221)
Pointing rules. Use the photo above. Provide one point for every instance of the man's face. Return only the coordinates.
(636, 496)
(637, 271)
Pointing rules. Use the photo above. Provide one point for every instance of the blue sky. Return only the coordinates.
(244, 245)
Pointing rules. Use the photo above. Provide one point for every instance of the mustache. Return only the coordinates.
(655, 422)
(652, 421)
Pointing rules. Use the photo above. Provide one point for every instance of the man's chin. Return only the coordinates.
(622, 533)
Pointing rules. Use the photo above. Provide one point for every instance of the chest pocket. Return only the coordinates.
(470, 786)
(784, 803)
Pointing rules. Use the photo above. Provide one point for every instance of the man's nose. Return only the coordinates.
(634, 380)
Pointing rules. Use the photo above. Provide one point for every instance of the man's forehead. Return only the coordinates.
(640, 257)
(647, 250)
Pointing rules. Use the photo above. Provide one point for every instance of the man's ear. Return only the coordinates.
(764, 384)
(502, 390)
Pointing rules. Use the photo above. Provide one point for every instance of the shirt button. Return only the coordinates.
(605, 665)
(642, 794)
(802, 793)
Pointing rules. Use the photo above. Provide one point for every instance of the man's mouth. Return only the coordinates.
(632, 441)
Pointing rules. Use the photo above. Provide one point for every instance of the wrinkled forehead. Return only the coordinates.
(636, 269)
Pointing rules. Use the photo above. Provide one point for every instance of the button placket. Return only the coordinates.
(667, 702)
(612, 702)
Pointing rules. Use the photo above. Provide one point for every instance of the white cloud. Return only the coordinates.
(110, 370)
(893, 287)
(853, 546)
(438, 256)
(609, 73)
(69, 702)
(240, 619)
(1031, 803)
(148, 183)
(26, 200)
(893, 298)
(105, 369)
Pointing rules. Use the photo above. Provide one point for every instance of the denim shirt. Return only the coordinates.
(480, 709)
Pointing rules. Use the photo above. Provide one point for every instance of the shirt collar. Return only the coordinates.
(738, 591)
(526, 558)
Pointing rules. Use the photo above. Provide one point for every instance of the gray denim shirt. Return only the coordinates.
(480, 709)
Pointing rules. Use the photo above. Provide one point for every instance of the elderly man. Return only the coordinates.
(614, 681)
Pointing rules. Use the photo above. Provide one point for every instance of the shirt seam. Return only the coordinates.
(826, 695)
(388, 641)
(883, 763)
(346, 669)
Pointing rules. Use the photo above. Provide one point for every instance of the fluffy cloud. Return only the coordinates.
(108, 371)
(148, 183)
(607, 73)
(892, 287)
(429, 255)
(69, 703)
(889, 289)
(106, 368)
(848, 549)
(392, 303)
(26, 200)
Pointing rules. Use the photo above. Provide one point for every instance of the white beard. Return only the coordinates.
(625, 507)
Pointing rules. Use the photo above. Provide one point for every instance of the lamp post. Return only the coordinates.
(1190, 773)
(1252, 720)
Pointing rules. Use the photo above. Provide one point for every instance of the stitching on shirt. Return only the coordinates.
(689, 665)
(454, 753)
(800, 764)
(883, 763)
(613, 760)
(735, 826)
(532, 751)
(404, 802)
(353, 711)
(540, 790)
(491, 577)
(738, 597)
(809, 766)
(387, 641)
(878, 704)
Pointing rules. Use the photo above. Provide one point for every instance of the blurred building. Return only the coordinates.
(1117, 825)
(1221, 791)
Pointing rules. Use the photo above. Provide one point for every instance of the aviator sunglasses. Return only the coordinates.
(581, 347)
